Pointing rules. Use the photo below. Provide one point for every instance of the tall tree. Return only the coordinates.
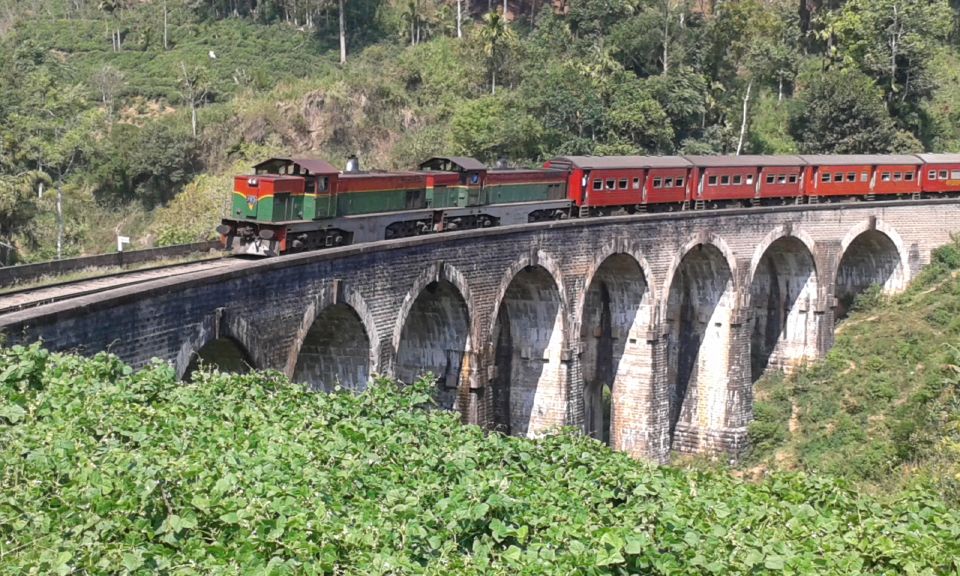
(193, 89)
(495, 38)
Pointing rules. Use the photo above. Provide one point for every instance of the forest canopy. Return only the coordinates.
(119, 108)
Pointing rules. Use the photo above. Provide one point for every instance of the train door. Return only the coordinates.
(476, 194)
(284, 207)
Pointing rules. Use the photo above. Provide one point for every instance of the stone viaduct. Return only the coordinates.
(677, 314)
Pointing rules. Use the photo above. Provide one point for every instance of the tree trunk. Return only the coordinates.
(165, 46)
(459, 18)
(193, 116)
(504, 10)
(743, 124)
(493, 81)
(59, 222)
(666, 36)
(343, 35)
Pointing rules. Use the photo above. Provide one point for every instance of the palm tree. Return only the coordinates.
(496, 36)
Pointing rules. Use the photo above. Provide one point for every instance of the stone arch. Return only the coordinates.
(337, 342)
(223, 341)
(872, 253)
(784, 297)
(433, 333)
(529, 350)
(615, 359)
(700, 306)
(700, 239)
(223, 354)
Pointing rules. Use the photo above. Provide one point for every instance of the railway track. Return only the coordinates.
(16, 300)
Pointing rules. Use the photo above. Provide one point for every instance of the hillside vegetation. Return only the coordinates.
(133, 113)
(106, 470)
(883, 409)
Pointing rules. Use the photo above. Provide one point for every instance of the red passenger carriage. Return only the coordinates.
(861, 175)
(941, 173)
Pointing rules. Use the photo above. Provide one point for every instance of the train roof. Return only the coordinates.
(940, 158)
(746, 160)
(311, 165)
(623, 162)
(860, 159)
(452, 164)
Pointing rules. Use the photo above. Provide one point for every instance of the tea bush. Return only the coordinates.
(107, 470)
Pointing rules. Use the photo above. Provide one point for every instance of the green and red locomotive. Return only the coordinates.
(297, 204)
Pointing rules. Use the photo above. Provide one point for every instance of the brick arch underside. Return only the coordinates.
(871, 259)
(614, 354)
(528, 397)
(698, 314)
(783, 298)
(435, 340)
(335, 351)
(223, 354)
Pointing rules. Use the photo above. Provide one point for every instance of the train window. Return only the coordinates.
(622, 184)
(725, 180)
(636, 183)
(897, 176)
(657, 183)
(908, 176)
(943, 174)
(851, 176)
(310, 186)
(955, 174)
(885, 177)
(932, 175)
(611, 184)
(863, 177)
(324, 183)
(713, 181)
(793, 178)
(771, 178)
(679, 182)
(598, 184)
(825, 177)
(668, 182)
(737, 179)
(749, 178)
(782, 179)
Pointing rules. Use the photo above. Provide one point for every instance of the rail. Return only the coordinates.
(16, 300)
(12, 275)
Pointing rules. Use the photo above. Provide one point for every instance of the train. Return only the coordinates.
(298, 204)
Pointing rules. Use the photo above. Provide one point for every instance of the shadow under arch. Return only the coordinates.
(435, 338)
(699, 306)
(614, 355)
(528, 395)
(871, 258)
(784, 288)
(223, 354)
(335, 351)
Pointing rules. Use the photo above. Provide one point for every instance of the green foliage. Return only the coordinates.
(107, 470)
(841, 112)
(883, 408)
(585, 77)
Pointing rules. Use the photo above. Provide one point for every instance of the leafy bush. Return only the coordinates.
(107, 470)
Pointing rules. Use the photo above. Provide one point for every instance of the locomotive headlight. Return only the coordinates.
(251, 181)
(266, 234)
